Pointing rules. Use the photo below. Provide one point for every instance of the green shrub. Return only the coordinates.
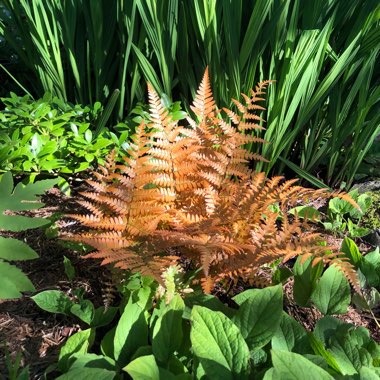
(52, 137)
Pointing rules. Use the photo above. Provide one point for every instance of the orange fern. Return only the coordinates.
(188, 191)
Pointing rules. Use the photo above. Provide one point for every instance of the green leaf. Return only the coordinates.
(143, 368)
(281, 275)
(22, 198)
(13, 249)
(291, 336)
(259, 316)
(219, 345)
(69, 269)
(320, 350)
(305, 280)
(351, 251)
(306, 212)
(88, 374)
(291, 366)
(92, 361)
(131, 333)
(167, 332)
(53, 301)
(13, 281)
(353, 348)
(84, 310)
(107, 345)
(6, 185)
(80, 343)
(332, 294)
(146, 368)
(103, 316)
(206, 300)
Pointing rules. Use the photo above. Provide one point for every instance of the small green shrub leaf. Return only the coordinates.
(13, 249)
(306, 212)
(167, 333)
(103, 316)
(292, 366)
(84, 310)
(131, 332)
(351, 251)
(53, 301)
(78, 343)
(92, 361)
(219, 345)
(88, 374)
(107, 343)
(291, 336)
(206, 300)
(305, 280)
(146, 368)
(13, 281)
(332, 294)
(69, 269)
(259, 316)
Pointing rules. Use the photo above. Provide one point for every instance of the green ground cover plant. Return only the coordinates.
(196, 336)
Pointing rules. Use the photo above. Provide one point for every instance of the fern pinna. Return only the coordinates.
(189, 192)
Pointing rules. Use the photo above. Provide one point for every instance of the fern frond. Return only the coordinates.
(189, 190)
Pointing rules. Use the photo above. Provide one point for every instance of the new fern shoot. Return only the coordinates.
(189, 192)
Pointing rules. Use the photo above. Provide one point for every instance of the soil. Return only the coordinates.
(38, 335)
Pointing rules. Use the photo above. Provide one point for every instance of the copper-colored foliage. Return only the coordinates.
(190, 191)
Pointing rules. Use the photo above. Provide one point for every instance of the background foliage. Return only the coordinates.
(323, 55)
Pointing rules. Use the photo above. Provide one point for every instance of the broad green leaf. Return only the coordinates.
(219, 345)
(305, 280)
(291, 336)
(88, 374)
(326, 327)
(13, 281)
(291, 366)
(146, 368)
(259, 316)
(6, 185)
(92, 361)
(167, 332)
(53, 301)
(79, 343)
(107, 343)
(332, 294)
(22, 198)
(103, 316)
(84, 310)
(367, 373)
(353, 348)
(131, 332)
(206, 300)
(13, 249)
(306, 212)
(281, 275)
(351, 251)
(321, 351)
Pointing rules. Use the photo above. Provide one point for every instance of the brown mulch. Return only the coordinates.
(24, 327)
(38, 335)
